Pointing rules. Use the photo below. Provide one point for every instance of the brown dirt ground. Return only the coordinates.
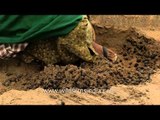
(134, 79)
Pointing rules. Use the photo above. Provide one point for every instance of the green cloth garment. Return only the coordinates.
(24, 28)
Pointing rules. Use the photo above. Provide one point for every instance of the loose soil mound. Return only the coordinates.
(139, 57)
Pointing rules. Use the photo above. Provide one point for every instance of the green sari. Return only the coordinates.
(24, 28)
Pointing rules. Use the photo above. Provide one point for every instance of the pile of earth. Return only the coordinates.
(139, 58)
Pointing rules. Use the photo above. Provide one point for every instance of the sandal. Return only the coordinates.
(112, 56)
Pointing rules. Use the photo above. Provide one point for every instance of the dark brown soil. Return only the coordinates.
(139, 57)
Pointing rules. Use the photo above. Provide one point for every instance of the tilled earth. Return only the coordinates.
(139, 58)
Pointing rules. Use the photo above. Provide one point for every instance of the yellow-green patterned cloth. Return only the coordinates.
(67, 49)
